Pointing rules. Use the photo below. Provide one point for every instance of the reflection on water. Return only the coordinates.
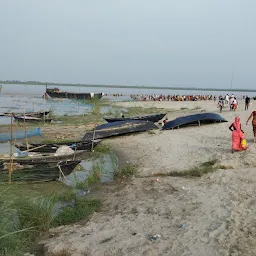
(23, 104)
(106, 164)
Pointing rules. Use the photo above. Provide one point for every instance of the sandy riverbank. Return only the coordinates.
(217, 210)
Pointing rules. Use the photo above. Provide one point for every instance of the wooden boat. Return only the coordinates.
(52, 147)
(39, 114)
(118, 128)
(152, 118)
(32, 119)
(39, 171)
(20, 134)
(45, 157)
(57, 93)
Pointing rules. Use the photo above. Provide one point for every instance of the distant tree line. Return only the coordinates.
(124, 86)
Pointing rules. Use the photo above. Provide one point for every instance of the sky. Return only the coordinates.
(187, 43)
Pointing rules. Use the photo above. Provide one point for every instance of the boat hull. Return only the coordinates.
(52, 147)
(77, 155)
(39, 114)
(38, 171)
(192, 120)
(119, 128)
(151, 118)
(30, 119)
(72, 95)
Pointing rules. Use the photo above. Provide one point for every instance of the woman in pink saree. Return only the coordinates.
(237, 136)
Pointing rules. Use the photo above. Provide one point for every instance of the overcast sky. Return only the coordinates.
(197, 43)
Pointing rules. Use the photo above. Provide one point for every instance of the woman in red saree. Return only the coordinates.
(237, 135)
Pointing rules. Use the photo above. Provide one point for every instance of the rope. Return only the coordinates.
(61, 172)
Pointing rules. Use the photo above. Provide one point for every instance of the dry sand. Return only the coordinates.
(217, 210)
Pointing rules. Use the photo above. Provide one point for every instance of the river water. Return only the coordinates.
(39, 90)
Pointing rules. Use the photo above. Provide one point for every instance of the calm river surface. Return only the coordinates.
(27, 98)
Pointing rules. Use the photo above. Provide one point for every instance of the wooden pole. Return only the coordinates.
(93, 136)
(44, 103)
(11, 154)
(25, 127)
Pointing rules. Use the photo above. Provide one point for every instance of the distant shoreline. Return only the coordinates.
(127, 86)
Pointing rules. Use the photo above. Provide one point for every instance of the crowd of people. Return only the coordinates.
(161, 97)
(232, 102)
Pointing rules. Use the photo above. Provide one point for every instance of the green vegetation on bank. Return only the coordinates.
(25, 218)
(196, 171)
(126, 86)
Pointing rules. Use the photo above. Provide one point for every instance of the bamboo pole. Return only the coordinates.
(93, 136)
(25, 127)
(11, 154)
(41, 146)
(44, 103)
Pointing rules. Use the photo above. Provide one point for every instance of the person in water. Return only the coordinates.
(253, 116)
(238, 137)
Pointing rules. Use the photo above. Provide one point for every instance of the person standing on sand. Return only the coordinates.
(253, 116)
(238, 137)
(220, 104)
(247, 102)
(235, 104)
(227, 99)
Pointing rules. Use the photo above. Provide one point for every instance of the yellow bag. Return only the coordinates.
(243, 143)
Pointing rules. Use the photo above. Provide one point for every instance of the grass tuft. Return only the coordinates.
(126, 172)
(81, 210)
(102, 149)
(198, 171)
(24, 220)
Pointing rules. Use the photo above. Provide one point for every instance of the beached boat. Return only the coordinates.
(57, 93)
(196, 120)
(20, 134)
(45, 157)
(39, 114)
(52, 147)
(31, 119)
(152, 118)
(119, 128)
(40, 171)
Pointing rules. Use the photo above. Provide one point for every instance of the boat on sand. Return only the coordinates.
(119, 128)
(194, 120)
(152, 118)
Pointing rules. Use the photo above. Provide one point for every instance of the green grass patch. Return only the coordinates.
(25, 218)
(198, 171)
(101, 148)
(81, 210)
(126, 172)
(92, 179)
